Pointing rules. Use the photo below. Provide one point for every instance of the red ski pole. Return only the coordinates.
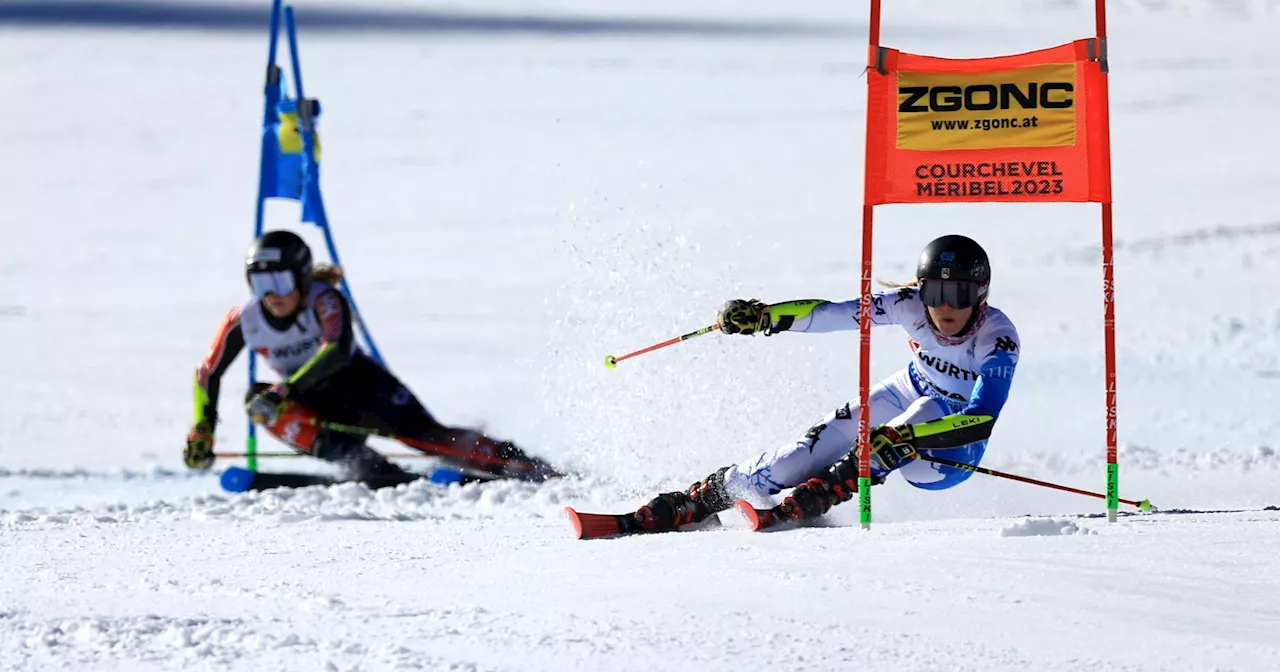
(611, 362)
(281, 453)
(1144, 505)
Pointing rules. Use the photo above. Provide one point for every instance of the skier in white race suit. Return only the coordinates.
(946, 399)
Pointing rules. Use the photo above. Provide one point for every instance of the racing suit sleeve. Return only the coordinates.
(818, 316)
(226, 346)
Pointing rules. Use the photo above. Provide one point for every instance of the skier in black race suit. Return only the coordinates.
(300, 323)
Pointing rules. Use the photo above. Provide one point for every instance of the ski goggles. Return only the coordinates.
(279, 283)
(955, 293)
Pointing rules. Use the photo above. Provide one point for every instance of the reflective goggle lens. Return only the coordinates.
(279, 283)
(954, 293)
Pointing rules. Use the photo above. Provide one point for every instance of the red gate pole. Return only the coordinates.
(864, 306)
(1108, 298)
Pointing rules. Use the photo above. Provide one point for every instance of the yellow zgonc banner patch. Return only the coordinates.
(1026, 107)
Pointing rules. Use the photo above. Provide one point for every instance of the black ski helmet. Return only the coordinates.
(956, 258)
(280, 251)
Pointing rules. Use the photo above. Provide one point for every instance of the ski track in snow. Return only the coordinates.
(347, 501)
(427, 501)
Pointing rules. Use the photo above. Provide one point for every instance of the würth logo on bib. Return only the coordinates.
(1027, 107)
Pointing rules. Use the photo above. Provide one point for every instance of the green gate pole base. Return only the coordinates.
(1113, 490)
(864, 502)
(251, 453)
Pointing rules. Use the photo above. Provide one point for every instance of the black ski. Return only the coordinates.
(239, 479)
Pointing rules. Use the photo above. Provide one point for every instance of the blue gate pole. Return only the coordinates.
(271, 97)
(311, 183)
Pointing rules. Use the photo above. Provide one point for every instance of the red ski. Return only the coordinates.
(596, 525)
(759, 519)
(600, 525)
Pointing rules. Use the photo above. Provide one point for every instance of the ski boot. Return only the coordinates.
(695, 508)
(672, 510)
(358, 461)
(521, 466)
(812, 498)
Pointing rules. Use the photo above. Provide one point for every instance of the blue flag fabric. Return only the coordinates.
(285, 171)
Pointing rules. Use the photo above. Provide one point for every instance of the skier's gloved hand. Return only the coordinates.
(265, 407)
(199, 451)
(743, 317)
(891, 446)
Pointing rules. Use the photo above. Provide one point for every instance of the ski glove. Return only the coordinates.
(743, 317)
(891, 446)
(199, 451)
(264, 408)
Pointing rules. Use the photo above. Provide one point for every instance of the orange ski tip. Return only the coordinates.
(749, 512)
(577, 522)
(594, 525)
